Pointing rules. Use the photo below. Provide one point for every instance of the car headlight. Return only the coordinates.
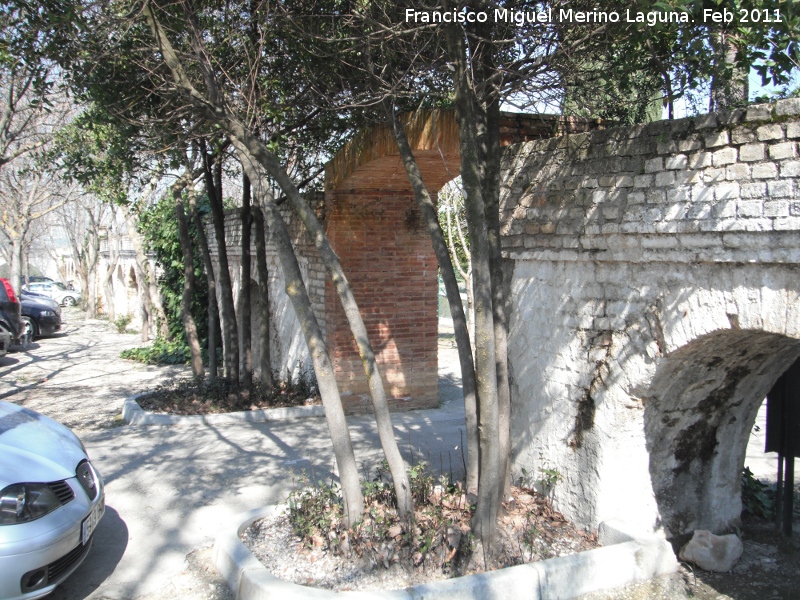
(48, 313)
(23, 502)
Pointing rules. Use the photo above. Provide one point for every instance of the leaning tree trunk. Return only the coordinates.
(298, 295)
(189, 325)
(397, 466)
(491, 479)
(428, 209)
(245, 321)
(213, 311)
(264, 354)
(230, 333)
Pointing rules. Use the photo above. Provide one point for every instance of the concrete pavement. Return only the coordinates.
(168, 489)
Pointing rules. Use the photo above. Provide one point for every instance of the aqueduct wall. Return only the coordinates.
(654, 302)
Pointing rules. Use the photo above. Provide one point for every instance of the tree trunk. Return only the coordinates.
(92, 257)
(428, 209)
(729, 85)
(296, 290)
(380, 405)
(245, 321)
(213, 311)
(491, 479)
(263, 304)
(227, 313)
(108, 282)
(16, 264)
(189, 325)
(150, 305)
(491, 196)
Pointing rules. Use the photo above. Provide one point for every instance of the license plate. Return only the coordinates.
(90, 522)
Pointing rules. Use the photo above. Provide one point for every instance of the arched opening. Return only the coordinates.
(700, 410)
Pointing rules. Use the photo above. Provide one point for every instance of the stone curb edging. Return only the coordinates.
(564, 577)
(133, 414)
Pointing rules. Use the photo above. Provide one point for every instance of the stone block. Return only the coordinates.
(757, 189)
(710, 175)
(773, 131)
(712, 552)
(725, 156)
(718, 138)
(776, 208)
(705, 121)
(636, 197)
(700, 160)
(590, 183)
(653, 165)
(749, 209)
(788, 107)
(655, 197)
(675, 212)
(675, 162)
(702, 193)
(793, 129)
(737, 171)
(667, 147)
(680, 194)
(751, 152)
(726, 191)
(689, 145)
(606, 181)
(783, 150)
(790, 168)
(643, 181)
(742, 135)
(688, 177)
(725, 209)
(665, 178)
(759, 112)
(767, 170)
(623, 181)
(781, 188)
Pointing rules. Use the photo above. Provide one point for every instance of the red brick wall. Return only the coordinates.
(387, 256)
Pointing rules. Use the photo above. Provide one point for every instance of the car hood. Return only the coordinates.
(35, 448)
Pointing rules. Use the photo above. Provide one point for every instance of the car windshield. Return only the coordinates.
(59, 285)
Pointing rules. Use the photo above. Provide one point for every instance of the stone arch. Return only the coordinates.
(701, 406)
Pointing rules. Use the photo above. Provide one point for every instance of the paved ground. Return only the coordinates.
(168, 488)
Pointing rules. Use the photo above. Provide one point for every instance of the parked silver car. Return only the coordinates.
(51, 500)
(57, 291)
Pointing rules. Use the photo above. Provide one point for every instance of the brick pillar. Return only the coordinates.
(386, 253)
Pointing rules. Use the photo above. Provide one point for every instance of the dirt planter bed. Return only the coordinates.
(626, 560)
(133, 414)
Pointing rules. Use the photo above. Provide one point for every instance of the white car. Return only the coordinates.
(56, 290)
(51, 500)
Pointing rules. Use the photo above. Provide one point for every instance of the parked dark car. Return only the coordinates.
(40, 317)
(5, 341)
(10, 310)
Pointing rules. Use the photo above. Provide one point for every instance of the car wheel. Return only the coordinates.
(30, 331)
(69, 301)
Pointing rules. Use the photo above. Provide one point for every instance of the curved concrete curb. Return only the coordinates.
(557, 578)
(133, 414)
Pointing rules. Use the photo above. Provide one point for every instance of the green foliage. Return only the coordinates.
(159, 227)
(758, 498)
(122, 322)
(161, 352)
(314, 508)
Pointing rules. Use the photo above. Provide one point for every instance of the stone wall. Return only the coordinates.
(288, 351)
(654, 302)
